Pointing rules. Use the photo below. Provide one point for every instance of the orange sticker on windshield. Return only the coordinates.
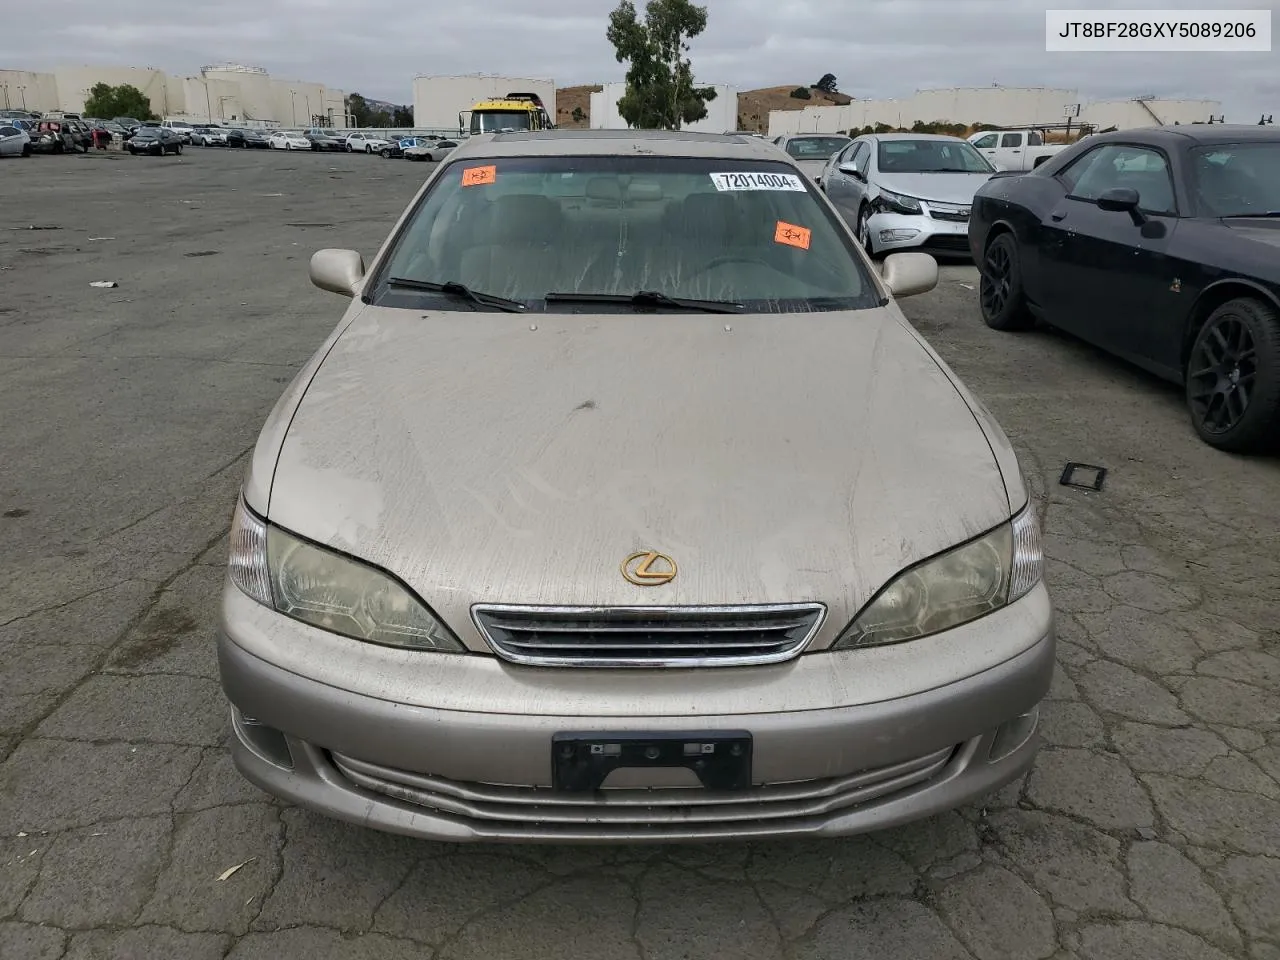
(479, 176)
(792, 235)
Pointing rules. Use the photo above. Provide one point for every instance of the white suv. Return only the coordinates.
(365, 143)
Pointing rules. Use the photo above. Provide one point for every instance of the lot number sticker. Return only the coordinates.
(792, 235)
(757, 181)
(479, 176)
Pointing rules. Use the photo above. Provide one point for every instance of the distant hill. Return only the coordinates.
(569, 99)
(753, 105)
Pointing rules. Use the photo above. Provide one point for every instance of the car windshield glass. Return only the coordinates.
(1237, 179)
(493, 121)
(748, 232)
(930, 156)
(816, 148)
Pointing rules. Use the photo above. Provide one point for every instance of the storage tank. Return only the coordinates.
(437, 101)
(722, 112)
(254, 85)
(74, 83)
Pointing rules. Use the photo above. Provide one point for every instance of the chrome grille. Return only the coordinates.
(648, 636)
(627, 813)
(950, 212)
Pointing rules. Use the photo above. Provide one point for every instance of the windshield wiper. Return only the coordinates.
(454, 289)
(647, 298)
(1260, 213)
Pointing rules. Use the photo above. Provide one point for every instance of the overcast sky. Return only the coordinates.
(885, 48)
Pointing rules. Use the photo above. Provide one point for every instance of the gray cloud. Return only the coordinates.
(882, 49)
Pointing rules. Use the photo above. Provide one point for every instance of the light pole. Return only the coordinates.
(6, 95)
(310, 117)
(221, 111)
(293, 105)
(23, 91)
(208, 105)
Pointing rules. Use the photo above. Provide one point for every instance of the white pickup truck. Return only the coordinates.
(1014, 149)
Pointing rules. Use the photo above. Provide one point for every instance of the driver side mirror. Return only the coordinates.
(337, 271)
(906, 274)
(852, 171)
(1122, 200)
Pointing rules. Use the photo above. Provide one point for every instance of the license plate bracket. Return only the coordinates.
(581, 762)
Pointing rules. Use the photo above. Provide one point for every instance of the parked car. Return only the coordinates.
(156, 141)
(322, 140)
(430, 150)
(129, 123)
(907, 191)
(811, 151)
(1015, 149)
(180, 127)
(14, 141)
(364, 143)
(818, 601)
(247, 137)
(288, 140)
(1159, 246)
(62, 136)
(396, 148)
(208, 137)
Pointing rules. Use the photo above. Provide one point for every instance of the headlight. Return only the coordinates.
(889, 202)
(955, 587)
(328, 590)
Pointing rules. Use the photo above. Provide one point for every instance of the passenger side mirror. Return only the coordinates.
(1122, 200)
(851, 170)
(906, 274)
(337, 271)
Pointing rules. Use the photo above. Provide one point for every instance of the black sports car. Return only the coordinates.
(324, 141)
(247, 138)
(156, 141)
(1161, 246)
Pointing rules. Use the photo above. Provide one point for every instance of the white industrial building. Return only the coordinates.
(437, 101)
(722, 112)
(226, 92)
(1002, 106)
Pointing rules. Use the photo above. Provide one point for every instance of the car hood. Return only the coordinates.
(1256, 229)
(943, 187)
(521, 459)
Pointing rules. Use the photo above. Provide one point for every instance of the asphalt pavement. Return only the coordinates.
(1149, 828)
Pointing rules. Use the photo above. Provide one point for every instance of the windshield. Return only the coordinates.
(749, 232)
(1237, 179)
(930, 156)
(494, 121)
(816, 148)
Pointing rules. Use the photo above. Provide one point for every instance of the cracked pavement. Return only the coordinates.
(1149, 828)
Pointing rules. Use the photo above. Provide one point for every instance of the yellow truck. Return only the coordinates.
(515, 111)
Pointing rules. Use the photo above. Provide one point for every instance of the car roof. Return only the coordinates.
(913, 136)
(1191, 134)
(617, 143)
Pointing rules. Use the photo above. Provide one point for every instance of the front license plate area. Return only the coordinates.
(581, 762)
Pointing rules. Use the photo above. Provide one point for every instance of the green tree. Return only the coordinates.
(827, 84)
(660, 91)
(402, 117)
(358, 110)
(126, 100)
(578, 115)
(801, 93)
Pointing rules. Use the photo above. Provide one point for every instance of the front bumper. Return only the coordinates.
(895, 232)
(457, 773)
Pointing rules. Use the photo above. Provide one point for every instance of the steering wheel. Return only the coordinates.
(729, 258)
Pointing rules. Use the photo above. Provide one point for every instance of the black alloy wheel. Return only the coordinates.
(1233, 378)
(1000, 293)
